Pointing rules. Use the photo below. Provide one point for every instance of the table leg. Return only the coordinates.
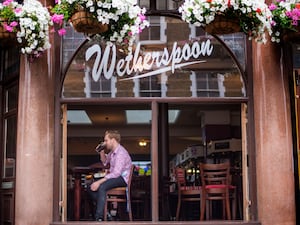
(77, 196)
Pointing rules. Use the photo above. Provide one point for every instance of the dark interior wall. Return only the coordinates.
(222, 131)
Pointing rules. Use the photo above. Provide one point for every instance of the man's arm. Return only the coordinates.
(103, 157)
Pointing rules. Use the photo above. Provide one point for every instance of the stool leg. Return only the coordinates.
(178, 209)
(234, 204)
(203, 206)
(227, 202)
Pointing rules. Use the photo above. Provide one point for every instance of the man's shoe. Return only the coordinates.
(99, 219)
(109, 217)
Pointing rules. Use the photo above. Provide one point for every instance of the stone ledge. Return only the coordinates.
(223, 222)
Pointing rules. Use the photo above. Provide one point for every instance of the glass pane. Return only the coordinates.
(11, 98)
(134, 124)
(170, 59)
(201, 133)
(10, 64)
(10, 128)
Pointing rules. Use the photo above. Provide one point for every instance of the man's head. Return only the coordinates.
(112, 139)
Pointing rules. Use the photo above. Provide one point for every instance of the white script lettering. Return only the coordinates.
(138, 64)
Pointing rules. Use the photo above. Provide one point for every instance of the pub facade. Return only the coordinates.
(182, 96)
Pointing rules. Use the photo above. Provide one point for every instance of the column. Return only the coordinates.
(35, 142)
(273, 137)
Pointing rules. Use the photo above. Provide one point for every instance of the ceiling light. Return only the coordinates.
(142, 143)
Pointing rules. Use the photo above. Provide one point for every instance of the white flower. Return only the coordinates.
(34, 22)
(89, 3)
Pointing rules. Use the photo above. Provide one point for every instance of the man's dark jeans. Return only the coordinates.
(99, 196)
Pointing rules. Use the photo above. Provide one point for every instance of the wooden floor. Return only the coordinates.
(159, 223)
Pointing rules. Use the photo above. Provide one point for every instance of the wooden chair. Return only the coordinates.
(185, 193)
(215, 179)
(140, 197)
(120, 195)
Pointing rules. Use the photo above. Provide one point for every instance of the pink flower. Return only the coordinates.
(142, 17)
(273, 23)
(7, 2)
(61, 32)
(272, 7)
(8, 28)
(17, 10)
(57, 18)
(13, 24)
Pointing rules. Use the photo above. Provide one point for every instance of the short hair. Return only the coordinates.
(113, 134)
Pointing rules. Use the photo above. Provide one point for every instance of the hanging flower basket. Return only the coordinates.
(117, 21)
(223, 25)
(6, 35)
(7, 38)
(83, 22)
(27, 26)
(285, 20)
(253, 17)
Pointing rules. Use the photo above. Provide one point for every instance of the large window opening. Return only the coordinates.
(187, 135)
(174, 114)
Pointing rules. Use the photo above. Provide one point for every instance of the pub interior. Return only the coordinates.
(194, 133)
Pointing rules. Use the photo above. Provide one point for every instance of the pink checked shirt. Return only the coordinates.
(120, 163)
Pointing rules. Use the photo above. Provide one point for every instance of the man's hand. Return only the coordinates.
(95, 186)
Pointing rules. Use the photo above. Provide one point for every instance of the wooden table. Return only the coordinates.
(77, 172)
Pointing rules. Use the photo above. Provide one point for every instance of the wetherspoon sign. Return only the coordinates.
(142, 65)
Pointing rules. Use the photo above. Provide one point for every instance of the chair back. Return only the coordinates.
(215, 180)
(185, 193)
(130, 177)
(215, 174)
(180, 176)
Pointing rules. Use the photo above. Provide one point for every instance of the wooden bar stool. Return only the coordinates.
(120, 195)
(185, 193)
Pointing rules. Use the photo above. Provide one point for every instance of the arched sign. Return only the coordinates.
(163, 63)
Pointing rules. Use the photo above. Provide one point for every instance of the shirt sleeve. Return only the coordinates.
(108, 157)
(121, 163)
